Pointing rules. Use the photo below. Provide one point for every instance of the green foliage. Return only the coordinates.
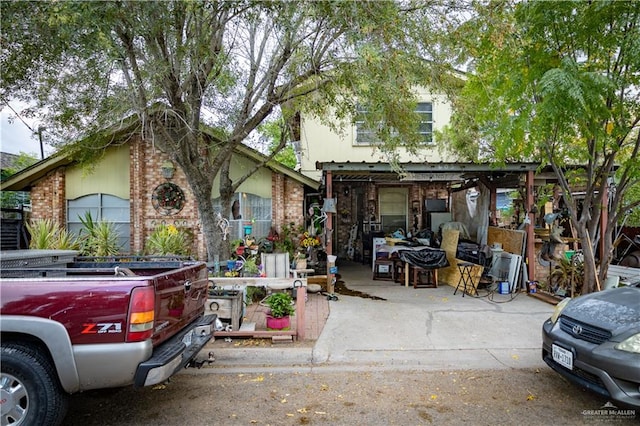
(273, 132)
(250, 267)
(280, 305)
(49, 235)
(255, 294)
(567, 276)
(168, 240)
(98, 238)
(632, 205)
(556, 82)
(15, 199)
(89, 64)
(289, 238)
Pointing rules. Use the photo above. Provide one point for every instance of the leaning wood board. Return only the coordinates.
(451, 274)
(512, 240)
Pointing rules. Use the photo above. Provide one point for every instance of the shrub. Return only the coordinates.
(48, 235)
(98, 238)
(280, 305)
(168, 240)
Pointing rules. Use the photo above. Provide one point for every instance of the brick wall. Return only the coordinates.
(48, 198)
(145, 166)
(287, 203)
(145, 162)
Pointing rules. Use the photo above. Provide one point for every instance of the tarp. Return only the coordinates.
(426, 258)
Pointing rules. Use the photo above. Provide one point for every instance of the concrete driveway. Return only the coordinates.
(430, 328)
(425, 329)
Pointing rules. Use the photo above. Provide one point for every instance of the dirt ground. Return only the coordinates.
(332, 397)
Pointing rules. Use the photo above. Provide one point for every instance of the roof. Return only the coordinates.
(506, 175)
(26, 178)
(7, 160)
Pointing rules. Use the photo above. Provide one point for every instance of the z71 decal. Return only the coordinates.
(102, 328)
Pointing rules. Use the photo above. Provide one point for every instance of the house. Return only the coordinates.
(14, 208)
(373, 199)
(7, 162)
(123, 188)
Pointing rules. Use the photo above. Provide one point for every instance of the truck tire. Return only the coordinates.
(31, 392)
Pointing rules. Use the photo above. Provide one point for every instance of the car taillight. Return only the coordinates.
(141, 314)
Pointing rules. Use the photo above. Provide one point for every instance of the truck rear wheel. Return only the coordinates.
(30, 391)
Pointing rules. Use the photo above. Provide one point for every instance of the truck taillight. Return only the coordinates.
(141, 314)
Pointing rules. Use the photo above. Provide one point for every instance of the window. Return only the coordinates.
(102, 207)
(393, 209)
(367, 136)
(250, 208)
(425, 128)
(364, 135)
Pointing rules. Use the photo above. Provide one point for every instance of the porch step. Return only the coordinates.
(281, 339)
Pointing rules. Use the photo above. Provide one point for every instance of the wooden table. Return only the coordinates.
(396, 248)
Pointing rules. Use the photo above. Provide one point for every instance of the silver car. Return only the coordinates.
(594, 341)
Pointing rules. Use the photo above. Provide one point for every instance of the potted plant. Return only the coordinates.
(281, 307)
(300, 259)
(250, 267)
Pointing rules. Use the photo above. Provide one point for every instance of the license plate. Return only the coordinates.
(187, 339)
(562, 356)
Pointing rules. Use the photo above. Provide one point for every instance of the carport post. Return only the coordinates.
(301, 296)
(531, 248)
(328, 233)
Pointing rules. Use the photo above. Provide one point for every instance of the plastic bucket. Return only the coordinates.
(533, 286)
(503, 287)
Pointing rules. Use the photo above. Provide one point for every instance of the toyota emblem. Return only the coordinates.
(577, 329)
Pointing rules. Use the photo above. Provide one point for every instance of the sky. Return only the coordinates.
(16, 137)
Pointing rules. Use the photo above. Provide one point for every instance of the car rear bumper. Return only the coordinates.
(621, 380)
(176, 352)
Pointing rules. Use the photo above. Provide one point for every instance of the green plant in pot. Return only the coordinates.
(281, 307)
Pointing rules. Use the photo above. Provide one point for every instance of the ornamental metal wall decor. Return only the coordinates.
(168, 198)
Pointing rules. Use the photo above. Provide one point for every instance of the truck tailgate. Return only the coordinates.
(180, 298)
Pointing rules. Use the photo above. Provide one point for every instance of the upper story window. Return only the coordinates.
(367, 136)
(425, 128)
(364, 134)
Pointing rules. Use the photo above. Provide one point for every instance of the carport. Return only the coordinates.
(371, 197)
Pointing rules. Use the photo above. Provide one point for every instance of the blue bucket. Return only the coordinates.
(503, 287)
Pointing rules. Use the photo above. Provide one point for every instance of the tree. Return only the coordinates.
(93, 63)
(557, 82)
(272, 131)
(13, 199)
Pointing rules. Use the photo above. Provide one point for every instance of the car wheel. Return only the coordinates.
(30, 391)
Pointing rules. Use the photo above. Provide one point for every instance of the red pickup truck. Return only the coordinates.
(76, 326)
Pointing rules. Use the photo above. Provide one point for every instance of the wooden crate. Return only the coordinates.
(228, 305)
